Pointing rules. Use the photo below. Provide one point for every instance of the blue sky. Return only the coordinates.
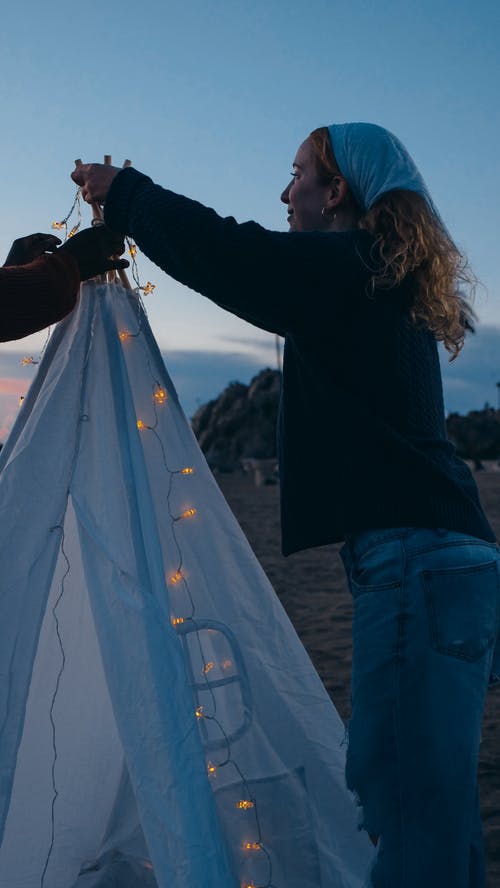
(212, 98)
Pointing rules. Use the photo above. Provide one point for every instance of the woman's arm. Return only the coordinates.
(280, 281)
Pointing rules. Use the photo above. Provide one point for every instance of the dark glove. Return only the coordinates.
(94, 250)
(25, 249)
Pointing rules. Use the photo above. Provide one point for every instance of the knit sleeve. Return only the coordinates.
(280, 281)
(35, 295)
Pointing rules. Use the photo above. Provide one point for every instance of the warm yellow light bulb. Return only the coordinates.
(252, 846)
(58, 226)
(160, 396)
(187, 470)
(74, 230)
(176, 577)
(141, 425)
(212, 770)
(208, 667)
(132, 250)
(124, 334)
(199, 712)
(27, 360)
(244, 804)
(188, 513)
(148, 288)
(176, 621)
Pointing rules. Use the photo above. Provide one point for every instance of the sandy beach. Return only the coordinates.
(313, 591)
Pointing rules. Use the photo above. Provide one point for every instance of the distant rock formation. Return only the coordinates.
(477, 435)
(237, 430)
(241, 423)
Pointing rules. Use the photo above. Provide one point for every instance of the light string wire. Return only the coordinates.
(83, 417)
(148, 286)
(52, 704)
(179, 578)
(63, 224)
(29, 360)
(146, 289)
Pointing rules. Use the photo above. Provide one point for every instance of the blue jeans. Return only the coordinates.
(426, 617)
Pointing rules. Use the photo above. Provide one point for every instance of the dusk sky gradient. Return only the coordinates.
(212, 98)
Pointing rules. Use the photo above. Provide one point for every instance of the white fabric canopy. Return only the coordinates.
(160, 722)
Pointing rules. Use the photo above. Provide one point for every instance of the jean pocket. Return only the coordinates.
(378, 569)
(462, 609)
(366, 588)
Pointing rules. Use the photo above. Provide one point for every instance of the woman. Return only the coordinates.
(362, 287)
(39, 283)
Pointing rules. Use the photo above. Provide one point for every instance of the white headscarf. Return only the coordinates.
(374, 161)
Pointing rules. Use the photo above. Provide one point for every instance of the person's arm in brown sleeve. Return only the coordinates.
(45, 290)
(38, 294)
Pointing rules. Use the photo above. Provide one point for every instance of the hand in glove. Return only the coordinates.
(25, 249)
(95, 250)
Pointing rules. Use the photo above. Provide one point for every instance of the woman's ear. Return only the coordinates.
(339, 193)
(340, 206)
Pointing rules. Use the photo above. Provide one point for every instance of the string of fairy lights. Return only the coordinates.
(62, 226)
(57, 226)
(185, 619)
(178, 578)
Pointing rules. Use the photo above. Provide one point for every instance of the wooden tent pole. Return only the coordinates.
(98, 216)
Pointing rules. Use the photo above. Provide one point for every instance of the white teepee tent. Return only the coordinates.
(160, 722)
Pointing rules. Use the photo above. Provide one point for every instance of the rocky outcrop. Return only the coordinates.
(241, 423)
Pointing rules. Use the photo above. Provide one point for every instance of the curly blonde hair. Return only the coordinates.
(409, 238)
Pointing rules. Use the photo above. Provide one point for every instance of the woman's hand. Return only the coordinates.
(25, 249)
(94, 180)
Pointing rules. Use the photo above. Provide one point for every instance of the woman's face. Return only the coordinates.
(306, 195)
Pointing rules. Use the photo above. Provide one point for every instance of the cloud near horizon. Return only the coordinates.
(14, 385)
(12, 388)
(200, 376)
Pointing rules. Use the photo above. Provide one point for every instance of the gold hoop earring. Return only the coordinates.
(326, 213)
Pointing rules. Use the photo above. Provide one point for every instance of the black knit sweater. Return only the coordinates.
(362, 440)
